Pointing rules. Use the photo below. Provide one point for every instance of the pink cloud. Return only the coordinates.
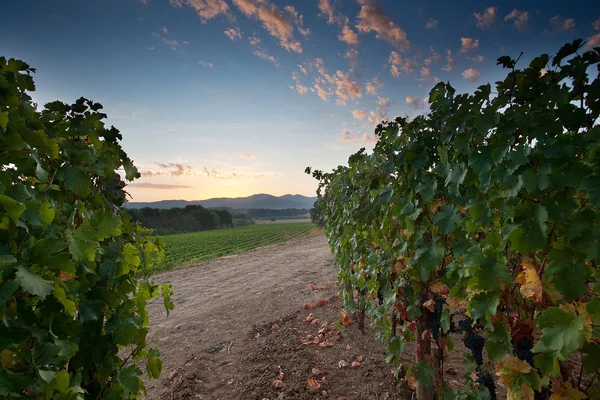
(339, 84)
(383, 105)
(233, 33)
(373, 118)
(415, 103)
(596, 24)
(248, 156)
(328, 11)
(471, 74)
(399, 64)
(431, 24)
(262, 53)
(486, 18)
(299, 87)
(468, 44)
(254, 41)
(520, 18)
(476, 59)
(160, 186)
(206, 9)
(562, 24)
(372, 17)
(359, 114)
(592, 41)
(164, 29)
(206, 64)
(348, 136)
(297, 19)
(348, 35)
(450, 62)
(373, 86)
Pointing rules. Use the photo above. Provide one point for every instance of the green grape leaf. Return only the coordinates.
(7, 289)
(424, 373)
(499, 342)
(3, 120)
(33, 283)
(447, 218)
(12, 207)
(591, 357)
(561, 331)
(129, 378)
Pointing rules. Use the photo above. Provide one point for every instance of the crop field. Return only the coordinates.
(187, 248)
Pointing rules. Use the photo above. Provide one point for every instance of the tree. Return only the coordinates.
(73, 289)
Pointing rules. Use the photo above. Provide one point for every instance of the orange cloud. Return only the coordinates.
(273, 20)
(328, 11)
(206, 9)
(160, 186)
(431, 24)
(299, 87)
(184, 170)
(359, 114)
(399, 64)
(520, 18)
(486, 18)
(297, 19)
(471, 74)
(373, 86)
(348, 136)
(468, 45)
(450, 62)
(233, 33)
(372, 17)
(414, 102)
(262, 53)
(348, 35)
(248, 156)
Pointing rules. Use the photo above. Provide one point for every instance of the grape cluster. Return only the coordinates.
(486, 380)
(465, 324)
(523, 350)
(435, 317)
(475, 343)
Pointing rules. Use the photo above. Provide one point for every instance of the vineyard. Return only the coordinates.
(482, 217)
(189, 248)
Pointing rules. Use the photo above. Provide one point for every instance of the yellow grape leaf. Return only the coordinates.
(581, 311)
(550, 290)
(565, 392)
(430, 305)
(434, 206)
(510, 371)
(531, 285)
(8, 358)
(439, 288)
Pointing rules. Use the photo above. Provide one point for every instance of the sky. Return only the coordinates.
(228, 98)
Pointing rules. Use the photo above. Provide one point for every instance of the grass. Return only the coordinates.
(189, 248)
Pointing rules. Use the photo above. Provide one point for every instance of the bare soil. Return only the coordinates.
(238, 323)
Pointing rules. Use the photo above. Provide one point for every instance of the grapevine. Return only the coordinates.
(488, 205)
(73, 286)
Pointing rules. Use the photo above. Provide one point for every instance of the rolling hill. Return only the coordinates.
(255, 201)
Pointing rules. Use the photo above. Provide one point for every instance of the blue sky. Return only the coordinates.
(234, 97)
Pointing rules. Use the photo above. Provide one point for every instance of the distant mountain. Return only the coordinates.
(255, 201)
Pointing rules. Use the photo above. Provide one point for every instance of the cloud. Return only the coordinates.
(348, 35)
(359, 114)
(349, 136)
(373, 118)
(352, 56)
(233, 33)
(151, 48)
(562, 24)
(262, 53)
(471, 74)
(592, 41)
(450, 62)
(398, 64)
(173, 44)
(383, 105)
(431, 24)
(164, 29)
(435, 57)
(328, 11)
(339, 83)
(520, 18)
(303, 70)
(476, 59)
(486, 18)
(254, 41)
(248, 156)
(416, 103)
(144, 2)
(273, 20)
(297, 19)
(184, 170)
(425, 74)
(372, 17)
(205, 64)
(300, 88)
(160, 186)
(468, 45)
(206, 9)
(596, 24)
(373, 86)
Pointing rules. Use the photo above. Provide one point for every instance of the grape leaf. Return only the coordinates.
(129, 378)
(12, 207)
(424, 373)
(33, 283)
(561, 331)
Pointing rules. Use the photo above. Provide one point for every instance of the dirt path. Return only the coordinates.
(260, 324)
(217, 302)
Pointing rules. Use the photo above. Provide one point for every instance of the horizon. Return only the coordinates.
(230, 98)
(220, 197)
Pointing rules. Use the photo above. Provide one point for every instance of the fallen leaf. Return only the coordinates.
(306, 339)
(313, 385)
(318, 372)
(178, 326)
(565, 391)
(308, 306)
(325, 344)
(281, 375)
(309, 318)
(323, 303)
(412, 382)
(356, 364)
(342, 364)
(316, 321)
(275, 327)
(323, 393)
(360, 359)
(316, 340)
(278, 384)
(451, 371)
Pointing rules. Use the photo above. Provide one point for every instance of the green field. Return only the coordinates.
(188, 248)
